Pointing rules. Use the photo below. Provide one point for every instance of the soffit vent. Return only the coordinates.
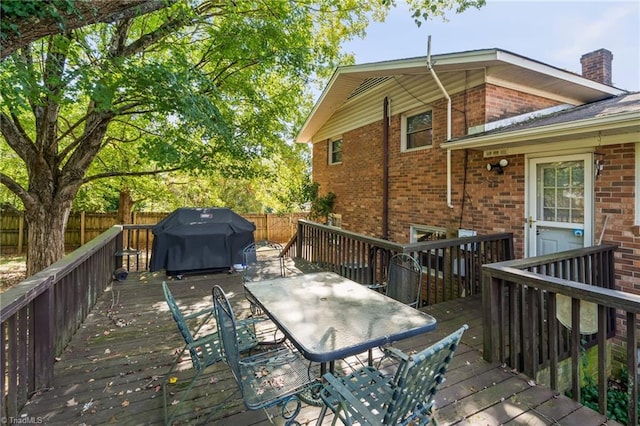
(369, 83)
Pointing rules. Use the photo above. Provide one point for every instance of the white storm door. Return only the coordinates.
(560, 204)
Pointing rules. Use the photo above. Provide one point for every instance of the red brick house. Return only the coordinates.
(482, 141)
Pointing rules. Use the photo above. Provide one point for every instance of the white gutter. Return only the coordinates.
(446, 95)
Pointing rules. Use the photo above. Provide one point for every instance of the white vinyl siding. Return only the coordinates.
(405, 93)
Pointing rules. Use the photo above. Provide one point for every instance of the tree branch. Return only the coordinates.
(121, 174)
(84, 13)
(16, 139)
(17, 189)
(170, 26)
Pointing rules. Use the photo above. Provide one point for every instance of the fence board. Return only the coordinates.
(273, 227)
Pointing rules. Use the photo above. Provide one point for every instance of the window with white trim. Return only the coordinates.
(335, 151)
(420, 233)
(417, 130)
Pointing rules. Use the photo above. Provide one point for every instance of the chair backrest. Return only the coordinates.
(181, 323)
(270, 248)
(270, 255)
(228, 332)
(418, 379)
(404, 281)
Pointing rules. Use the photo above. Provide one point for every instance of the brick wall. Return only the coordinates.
(483, 201)
(505, 103)
(357, 181)
(614, 198)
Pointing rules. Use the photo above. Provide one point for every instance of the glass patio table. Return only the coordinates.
(328, 317)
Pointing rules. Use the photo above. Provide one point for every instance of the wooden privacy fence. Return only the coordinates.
(83, 227)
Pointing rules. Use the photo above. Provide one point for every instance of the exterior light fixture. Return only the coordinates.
(498, 167)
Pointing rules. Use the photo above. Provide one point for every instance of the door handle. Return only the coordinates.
(531, 221)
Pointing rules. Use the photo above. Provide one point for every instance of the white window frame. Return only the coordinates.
(415, 228)
(403, 130)
(331, 152)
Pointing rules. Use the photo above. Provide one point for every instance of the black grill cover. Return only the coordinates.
(192, 240)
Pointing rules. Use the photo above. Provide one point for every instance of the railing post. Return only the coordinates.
(632, 366)
(299, 240)
(509, 249)
(43, 338)
(491, 320)
(82, 227)
(119, 247)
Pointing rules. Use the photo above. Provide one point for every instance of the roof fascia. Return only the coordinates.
(552, 71)
(628, 119)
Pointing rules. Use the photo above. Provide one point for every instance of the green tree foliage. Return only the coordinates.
(212, 87)
(422, 10)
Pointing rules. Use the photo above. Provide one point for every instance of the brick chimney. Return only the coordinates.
(596, 66)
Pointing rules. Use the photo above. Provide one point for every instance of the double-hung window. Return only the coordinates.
(335, 151)
(417, 130)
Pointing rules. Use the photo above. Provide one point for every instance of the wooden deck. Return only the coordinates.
(111, 372)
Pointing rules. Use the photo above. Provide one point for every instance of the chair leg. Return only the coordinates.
(165, 382)
(169, 419)
(323, 412)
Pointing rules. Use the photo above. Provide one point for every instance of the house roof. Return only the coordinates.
(501, 67)
(610, 117)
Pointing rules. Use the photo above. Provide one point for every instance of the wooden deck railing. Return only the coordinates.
(451, 267)
(134, 248)
(521, 326)
(39, 316)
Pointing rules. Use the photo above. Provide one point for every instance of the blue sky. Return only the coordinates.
(553, 32)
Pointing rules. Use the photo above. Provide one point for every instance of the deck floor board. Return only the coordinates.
(112, 370)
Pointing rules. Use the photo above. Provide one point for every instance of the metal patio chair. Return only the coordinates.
(205, 349)
(404, 280)
(266, 379)
(262, 260)
(268, 255)
(369, 397)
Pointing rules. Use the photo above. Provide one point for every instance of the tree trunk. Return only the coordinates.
(125, 204)
(46, 235)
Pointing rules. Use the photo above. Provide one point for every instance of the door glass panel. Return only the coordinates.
(561, 191)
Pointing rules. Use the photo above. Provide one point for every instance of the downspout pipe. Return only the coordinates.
(446, 95)
(385, 168)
